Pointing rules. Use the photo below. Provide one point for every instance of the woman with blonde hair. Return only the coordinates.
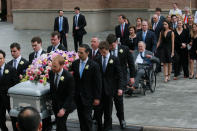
(193, 50)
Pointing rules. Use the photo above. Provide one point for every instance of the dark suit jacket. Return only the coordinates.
(125, 37)
(22, 66)
(158, 29)
(112, 77)
(63, 96)
(150, 40)
(65, 26)
(31, 56)
(8, 80)
(88, 87)
(126, 58)
(60, 47)
(81, 24)
(97, 54)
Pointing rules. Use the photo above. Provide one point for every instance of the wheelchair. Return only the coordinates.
(149, 80)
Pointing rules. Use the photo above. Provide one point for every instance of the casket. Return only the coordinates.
(30, 94)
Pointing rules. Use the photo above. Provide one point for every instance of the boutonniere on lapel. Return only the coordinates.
(62, 78)
(87, 66)
(121, 50)
(111, 61)
(22, 62)
(6, 71)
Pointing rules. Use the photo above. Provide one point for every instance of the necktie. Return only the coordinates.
(93, 55)
(104, 64)
(114, 52)
(60, 24)
(122, 30)
(82, 68)
(144, 36)
(56, 80)
(53, 48)
(76, 21)
(14, 65)
(0, 73)
(141, 55)
(36, 55)
(154, 26)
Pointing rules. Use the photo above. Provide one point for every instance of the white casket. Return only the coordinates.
(30, 94)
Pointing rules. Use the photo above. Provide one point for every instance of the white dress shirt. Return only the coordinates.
(107, 59)
(17, 61)
(59, 76)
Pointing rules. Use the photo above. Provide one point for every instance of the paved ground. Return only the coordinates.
(173, 105)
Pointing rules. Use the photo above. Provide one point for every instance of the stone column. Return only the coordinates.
(9, 11)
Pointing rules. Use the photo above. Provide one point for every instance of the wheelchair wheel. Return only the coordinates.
(142, 88)
(152, 81)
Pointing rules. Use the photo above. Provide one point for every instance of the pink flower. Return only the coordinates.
(41, 69)
(38, 73)
(41, 80)
(47, 75)
(31, 78)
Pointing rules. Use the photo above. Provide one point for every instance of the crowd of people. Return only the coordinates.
(103, 72)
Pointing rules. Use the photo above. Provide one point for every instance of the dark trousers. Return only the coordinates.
(105, 108)
(118, 102)
(61, 122)
(4, 105)
(85, 115)
(63, 40)
(181, 60)
(139, 74)
(77, 39)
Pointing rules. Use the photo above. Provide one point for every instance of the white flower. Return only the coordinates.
(87, 66)
(121, 50)
(111, 61)
(62, 78)
(22, 62)
(6, 71)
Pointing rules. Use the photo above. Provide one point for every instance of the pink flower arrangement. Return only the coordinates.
(40, 67)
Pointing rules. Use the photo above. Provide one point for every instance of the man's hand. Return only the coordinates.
(96, 102)
(61, 112)
(76, 28)
(120, 92)
(183, 45)
(148, 56)
(66, 35)
(132, 81)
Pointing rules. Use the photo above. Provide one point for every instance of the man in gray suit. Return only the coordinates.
(141, 57)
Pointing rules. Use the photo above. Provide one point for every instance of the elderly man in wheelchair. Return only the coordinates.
(144, 61)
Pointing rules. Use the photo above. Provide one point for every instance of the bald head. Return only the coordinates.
(141, 46)
(155, 18)
(95, 43)
(29, 120)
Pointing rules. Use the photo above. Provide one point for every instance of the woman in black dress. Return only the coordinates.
(138, 24)
(132, 41)
(166, 45)
(181, 59)
(192, 50)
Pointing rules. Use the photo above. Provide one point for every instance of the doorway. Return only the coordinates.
(3, 14)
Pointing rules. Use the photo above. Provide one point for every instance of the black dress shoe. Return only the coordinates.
(122, 124)
(129, 92)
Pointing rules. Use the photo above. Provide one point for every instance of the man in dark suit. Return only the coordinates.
(62, 88)
(61, 25)
(18, 62)
(111, 84)
(147, 36)
(79, 23)
(160, 17)
(122, 30)
(174, 21)
(8, 78)
(88, 87)
(36, 43)
(55, 41)
(126, 60)
(157, 26)
(141, 56)
(94, 52)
